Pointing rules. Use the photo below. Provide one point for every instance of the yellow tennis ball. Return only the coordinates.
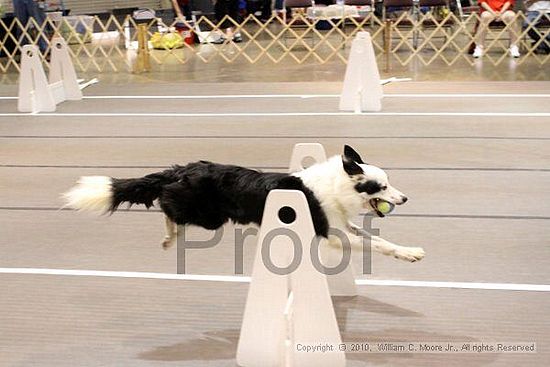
(384, 207)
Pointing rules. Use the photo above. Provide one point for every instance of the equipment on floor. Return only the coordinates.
(362, 90)
(292, 308)
(282, 303)
(343, 282)
(38, 94)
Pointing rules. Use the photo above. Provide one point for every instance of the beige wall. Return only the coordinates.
(83, 6)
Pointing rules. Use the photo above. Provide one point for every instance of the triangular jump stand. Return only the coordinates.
(303, 151)
(343, 283)
(36, 93)
(362, 90)
(285, 310)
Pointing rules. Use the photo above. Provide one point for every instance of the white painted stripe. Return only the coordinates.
(389, 95)
(465, 95)
(126, 274)
(304, 96)
(217, 96)
(221, 96)
(283, 114)
(458, 285)
(243, 279)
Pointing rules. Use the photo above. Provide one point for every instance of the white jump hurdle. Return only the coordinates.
(283, 311)
(362, 90)
(38, 94)
(343, 283)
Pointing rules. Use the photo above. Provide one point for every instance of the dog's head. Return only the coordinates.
(370, 182)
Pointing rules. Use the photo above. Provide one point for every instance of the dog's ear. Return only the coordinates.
(351, 155)
(351, 167)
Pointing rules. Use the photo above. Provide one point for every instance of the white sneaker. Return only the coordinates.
(478, 52)
(514, 51)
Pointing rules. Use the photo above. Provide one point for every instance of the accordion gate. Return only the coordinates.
(108, 45)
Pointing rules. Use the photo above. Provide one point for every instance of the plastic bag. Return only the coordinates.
(166, 41)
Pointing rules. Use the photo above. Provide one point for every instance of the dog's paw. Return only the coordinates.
(411, 254)
(167, 242)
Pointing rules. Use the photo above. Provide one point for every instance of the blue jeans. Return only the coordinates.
(24, 10)
(531, 16)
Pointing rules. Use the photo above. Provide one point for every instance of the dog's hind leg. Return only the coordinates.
(171, 233)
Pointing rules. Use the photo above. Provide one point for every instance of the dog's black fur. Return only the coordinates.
(208, 194)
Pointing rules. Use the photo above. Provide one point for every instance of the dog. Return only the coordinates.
(209, 194)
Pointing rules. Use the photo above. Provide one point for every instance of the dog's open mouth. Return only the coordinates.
(375, 205)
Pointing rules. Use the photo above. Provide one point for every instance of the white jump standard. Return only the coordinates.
(36, 93)
(343, 282)
(362, 89)
(279, 311)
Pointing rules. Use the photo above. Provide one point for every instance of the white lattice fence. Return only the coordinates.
(110, 45)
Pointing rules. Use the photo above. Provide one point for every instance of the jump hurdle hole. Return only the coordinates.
(287, 215)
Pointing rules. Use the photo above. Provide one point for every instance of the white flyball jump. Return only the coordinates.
(38, 94)
(362, 90)
(286, 310)
(342, 283)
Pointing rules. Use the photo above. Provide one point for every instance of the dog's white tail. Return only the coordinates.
(93, 193)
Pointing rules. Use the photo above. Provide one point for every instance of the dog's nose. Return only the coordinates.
(404, 199)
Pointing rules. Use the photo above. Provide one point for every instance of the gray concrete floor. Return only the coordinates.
(479, 189)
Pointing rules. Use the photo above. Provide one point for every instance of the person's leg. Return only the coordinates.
(545, 45)
(232, 8)
(266, 9)
(509, 17)
(531, 22)
(279, 5)
(233, 11)
(220, 9)
(186, 10)
(39, 15)
(228, 8)
(530, 18)
(20, 11)
(486, 18)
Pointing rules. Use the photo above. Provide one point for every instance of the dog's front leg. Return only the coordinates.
(354, 228)
(384, 247)
(171, 233)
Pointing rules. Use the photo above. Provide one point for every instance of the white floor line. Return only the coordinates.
(457, 285)
(282, 114)
(221, 96)
(305, 96)
(464, 95)
(126, 274)
(243, 279)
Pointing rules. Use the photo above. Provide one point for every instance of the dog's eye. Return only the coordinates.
(384, 187)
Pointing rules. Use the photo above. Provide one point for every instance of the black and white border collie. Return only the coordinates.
(208, 195)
